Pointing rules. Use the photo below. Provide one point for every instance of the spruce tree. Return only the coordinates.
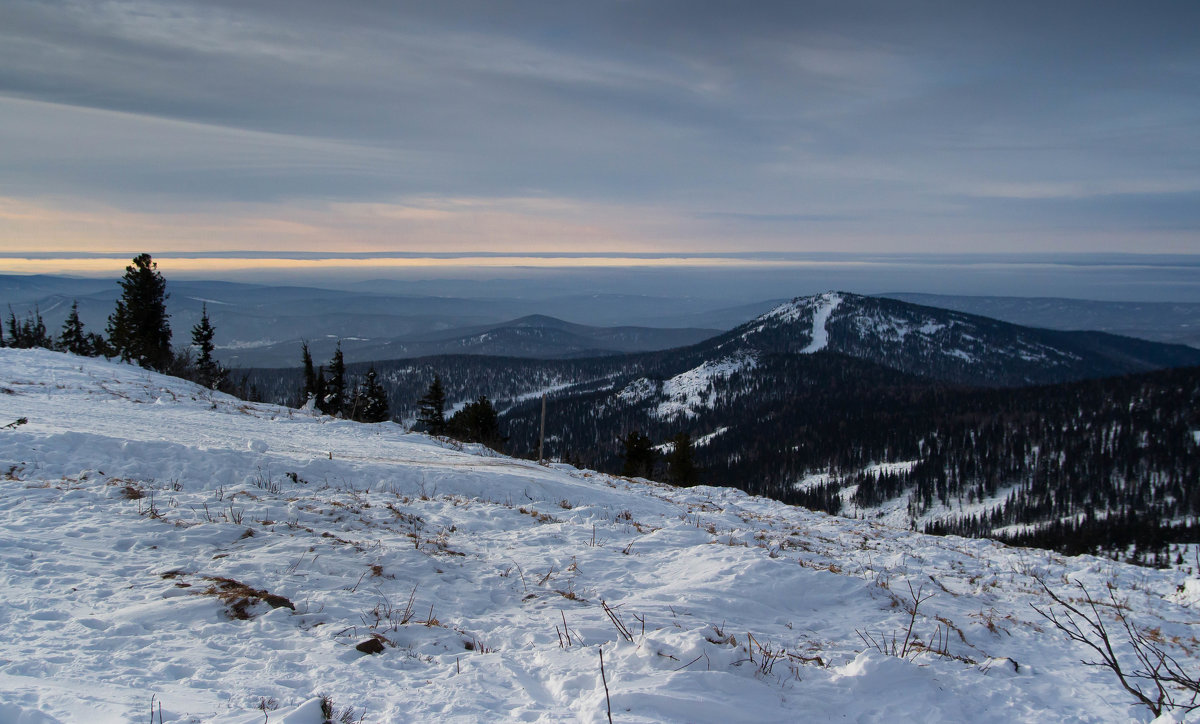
(477, 422)
(310, 375)
(29, 333)
(639, 455)
(372, 405)
(681, 466)
(73, 339)
(319, 389)
(431, 409)
(335, 387)
(208, 371)
(138, 328)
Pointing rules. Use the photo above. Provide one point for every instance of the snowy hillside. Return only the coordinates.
(162, 544)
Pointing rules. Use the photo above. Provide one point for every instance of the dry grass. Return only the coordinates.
(240, 598)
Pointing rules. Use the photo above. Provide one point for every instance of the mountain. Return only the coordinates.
(943, 344)
(169, 548)
(1172, 322)
(533, 336)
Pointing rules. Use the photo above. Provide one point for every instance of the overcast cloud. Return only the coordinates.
(600, 126)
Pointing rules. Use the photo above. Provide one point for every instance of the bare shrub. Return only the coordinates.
(1154, 677)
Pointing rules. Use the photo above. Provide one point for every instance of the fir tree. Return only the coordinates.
(681, 465)
(431, 409)
(138, 328)
(73, 339)
(209, 372)
(639, 455)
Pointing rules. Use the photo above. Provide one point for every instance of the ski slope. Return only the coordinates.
(131, 501)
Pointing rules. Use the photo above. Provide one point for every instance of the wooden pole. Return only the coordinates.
(542, 434)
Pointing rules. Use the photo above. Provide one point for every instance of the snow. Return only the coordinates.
(638, 390)
(820, 335)
(690, 391)
(105, 602)
(706, 439)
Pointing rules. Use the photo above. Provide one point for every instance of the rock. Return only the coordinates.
(371, 646)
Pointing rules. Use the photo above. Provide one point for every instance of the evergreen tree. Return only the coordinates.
(477, 422)
(73, 339)
(335, 387)
(310, 375)
(98, 345)
(431, 409)
(209, 372)
(319, 389)
(371, 400)
(681, 465)
(639, 455)
(138, 328)
(29, 333)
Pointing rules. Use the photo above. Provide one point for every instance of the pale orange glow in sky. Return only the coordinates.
(82, 266)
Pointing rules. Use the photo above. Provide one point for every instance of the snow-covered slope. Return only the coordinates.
(162, 543)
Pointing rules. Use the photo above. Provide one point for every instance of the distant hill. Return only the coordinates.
(1173, 322)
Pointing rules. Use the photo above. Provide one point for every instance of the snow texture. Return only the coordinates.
(129, 498)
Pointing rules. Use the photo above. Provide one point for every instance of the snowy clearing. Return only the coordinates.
(227, 559)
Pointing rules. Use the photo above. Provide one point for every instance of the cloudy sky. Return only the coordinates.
(636, 125)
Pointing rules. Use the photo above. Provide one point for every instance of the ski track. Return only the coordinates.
(100, 610)
(820, 335)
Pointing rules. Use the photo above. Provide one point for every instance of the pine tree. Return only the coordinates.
(431, 409)
(639, 455)
(209, 372)
(73, 339)
(681, 465)
(372, 402)
(138, 328)
(335, 387)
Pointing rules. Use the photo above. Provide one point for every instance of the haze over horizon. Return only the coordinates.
(606, 128)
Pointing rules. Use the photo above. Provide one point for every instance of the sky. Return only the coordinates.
(636, 126)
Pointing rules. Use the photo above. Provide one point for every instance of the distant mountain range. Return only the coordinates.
(263, 326)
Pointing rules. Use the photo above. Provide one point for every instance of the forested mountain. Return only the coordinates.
(947, 345)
